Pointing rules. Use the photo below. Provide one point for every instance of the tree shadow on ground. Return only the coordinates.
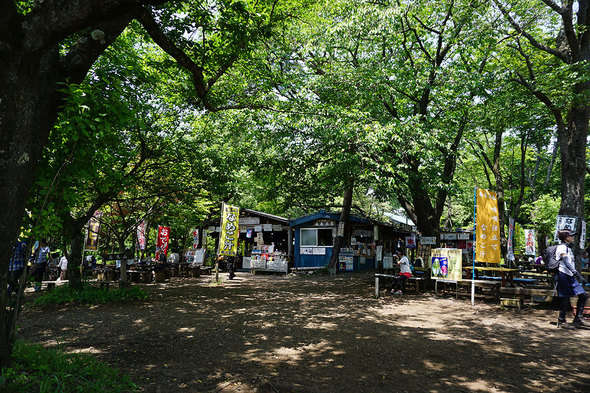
(318, 334)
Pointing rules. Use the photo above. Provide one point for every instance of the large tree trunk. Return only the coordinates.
(343, 225)
(572, 142)
(31, 77)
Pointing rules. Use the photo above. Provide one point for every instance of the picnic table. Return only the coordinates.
(504, 272)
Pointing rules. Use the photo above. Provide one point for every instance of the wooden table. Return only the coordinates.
(502, 270)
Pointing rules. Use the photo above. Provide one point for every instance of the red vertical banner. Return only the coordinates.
(162, 243)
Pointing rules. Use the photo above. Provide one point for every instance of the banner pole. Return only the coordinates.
(474, 244)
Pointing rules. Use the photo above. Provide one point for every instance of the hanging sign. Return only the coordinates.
(564, 222)
(487, 241)
(410, 242)
(583, 235)
(430, 240)
(228, 237)
(92, 232)
(529, 238)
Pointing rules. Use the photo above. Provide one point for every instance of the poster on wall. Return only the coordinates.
(446, 263)
(529, 238)
(410, 242)
(346, 263)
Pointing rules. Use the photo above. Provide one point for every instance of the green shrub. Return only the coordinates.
(38, 369)
(89, 295)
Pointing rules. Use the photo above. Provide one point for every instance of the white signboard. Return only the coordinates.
(249, 220)
(428, 240)
(267, 227)
(583, 235)
(319, 251)
(306, 250)
(564, 222)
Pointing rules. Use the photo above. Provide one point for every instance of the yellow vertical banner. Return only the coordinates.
(487, 242)
(230, 232)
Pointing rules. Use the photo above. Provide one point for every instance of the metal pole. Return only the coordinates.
(474, 243)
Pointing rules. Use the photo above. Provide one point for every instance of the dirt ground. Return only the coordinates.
(271, 333)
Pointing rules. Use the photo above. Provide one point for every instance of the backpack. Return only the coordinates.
(550, 259)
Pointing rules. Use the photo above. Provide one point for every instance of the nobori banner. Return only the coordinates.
(228, 237)
(488, 227)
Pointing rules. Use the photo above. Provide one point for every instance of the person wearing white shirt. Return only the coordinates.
(405, 272)
(63, 268)
(567, 286)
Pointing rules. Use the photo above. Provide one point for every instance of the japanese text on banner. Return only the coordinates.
(487, 242)
(163, 237)
(228, 237)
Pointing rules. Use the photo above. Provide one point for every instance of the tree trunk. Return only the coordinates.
(572, 142)
(76, 243)
(343, 225)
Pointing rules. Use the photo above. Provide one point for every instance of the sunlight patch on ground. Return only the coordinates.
(86, 350)
(321, 325)
(138, 321)
(186, 330)
(479, 385)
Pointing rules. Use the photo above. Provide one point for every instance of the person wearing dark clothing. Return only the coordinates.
(16, 265)
(567, 286)
(230, 267)
(40, 263)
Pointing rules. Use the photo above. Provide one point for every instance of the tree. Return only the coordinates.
(46, 44)
(553, 42)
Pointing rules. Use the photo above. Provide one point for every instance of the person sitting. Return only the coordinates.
(405, 272)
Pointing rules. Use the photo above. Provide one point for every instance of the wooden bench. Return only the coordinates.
(510, 302)
(492, 285)
(103, 284)
(51, 283)
(414, 280)
(206, 269)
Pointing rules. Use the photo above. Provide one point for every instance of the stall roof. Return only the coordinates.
(331, 216)
(266, 215)
(283, 220)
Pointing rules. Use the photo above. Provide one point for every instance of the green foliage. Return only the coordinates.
(89, 295)
(38, 369)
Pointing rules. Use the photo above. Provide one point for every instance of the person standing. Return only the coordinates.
(41, 259)
(567, 286)
(63, 267)
(16, 265)
(405, 272)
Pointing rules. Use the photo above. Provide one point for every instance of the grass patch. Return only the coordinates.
(89, 295)
(38, 369)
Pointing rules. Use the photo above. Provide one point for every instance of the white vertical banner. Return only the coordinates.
(529, 238)
(583, 235)
(510, 242)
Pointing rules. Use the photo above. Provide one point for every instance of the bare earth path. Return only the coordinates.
(318, 334)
